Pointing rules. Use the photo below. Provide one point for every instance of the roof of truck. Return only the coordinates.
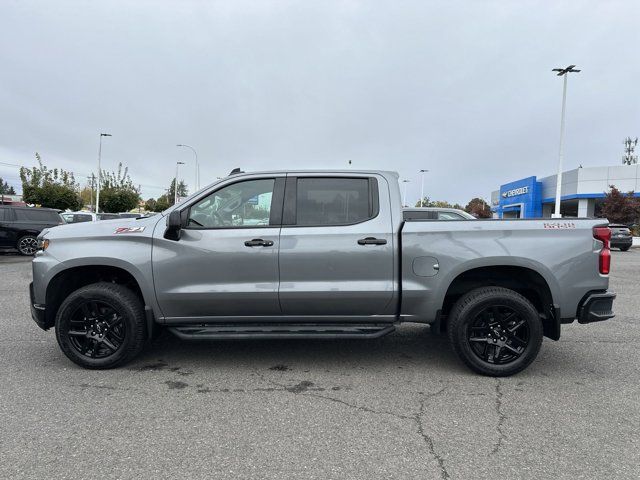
(328, 171)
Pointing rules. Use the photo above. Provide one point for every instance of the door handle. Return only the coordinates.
(258, 242)
(372, 241)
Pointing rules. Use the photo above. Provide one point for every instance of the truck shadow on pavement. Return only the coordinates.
(410, 345)
(409, 349)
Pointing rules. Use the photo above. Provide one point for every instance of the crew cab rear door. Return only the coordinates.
(336, 247)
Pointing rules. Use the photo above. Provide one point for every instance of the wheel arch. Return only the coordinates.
(74, 277)
(527, 281)
(25, 233)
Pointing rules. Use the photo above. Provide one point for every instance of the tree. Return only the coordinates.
(150, 205)
(87, 195)
(619, 207)
(478, 208)
(49, 188)
(425, 202)
(162, 203)
(182, 190)
(441, 204)
(5, 188)
(117, 192)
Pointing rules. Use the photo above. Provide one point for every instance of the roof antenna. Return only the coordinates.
(235, 171)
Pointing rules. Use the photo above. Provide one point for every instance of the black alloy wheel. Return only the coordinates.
(97, 329)
(498, 335)
(101, 325)
(495, 331)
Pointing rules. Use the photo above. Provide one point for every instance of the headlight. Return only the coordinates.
(43, 244)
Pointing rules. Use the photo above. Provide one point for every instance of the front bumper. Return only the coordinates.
(597, 307)
(37, 310)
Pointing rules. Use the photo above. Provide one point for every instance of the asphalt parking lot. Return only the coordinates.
(397, 407)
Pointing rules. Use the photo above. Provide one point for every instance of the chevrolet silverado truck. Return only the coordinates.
(317, 254)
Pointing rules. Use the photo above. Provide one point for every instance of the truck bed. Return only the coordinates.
(434, 253)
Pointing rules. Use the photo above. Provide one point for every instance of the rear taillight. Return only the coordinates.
(603, 234)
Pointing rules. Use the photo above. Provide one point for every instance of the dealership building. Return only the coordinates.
(583, 190)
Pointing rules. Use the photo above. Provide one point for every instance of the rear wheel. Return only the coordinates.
(495, 331)
(624, 249)
(101, 326)
(27, 245)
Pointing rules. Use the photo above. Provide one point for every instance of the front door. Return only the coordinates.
(225, 263)
(336, 248)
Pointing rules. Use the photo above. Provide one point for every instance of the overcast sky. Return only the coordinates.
(464, 89)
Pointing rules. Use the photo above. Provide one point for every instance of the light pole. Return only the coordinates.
(423, 171)
(100, 171)
(562, 72)
(175, 185)
(197, 164)
(92, 177)
(404, 195)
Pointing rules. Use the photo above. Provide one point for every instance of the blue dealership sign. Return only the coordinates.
(522, 198)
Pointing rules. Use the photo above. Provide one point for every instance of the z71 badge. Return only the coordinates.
(129, 230)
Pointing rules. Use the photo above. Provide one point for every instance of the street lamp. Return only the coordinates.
(197, 164)
(100, 171)
(423, 171)
(404, 196)
(562, 72)
(175, 185)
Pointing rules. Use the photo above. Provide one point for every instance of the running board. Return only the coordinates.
(238, 332)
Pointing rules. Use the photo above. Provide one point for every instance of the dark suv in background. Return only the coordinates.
(621, 236)
(19, 226)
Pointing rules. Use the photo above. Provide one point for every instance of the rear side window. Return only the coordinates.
(77, 218)
(333, 201)
(37, 215)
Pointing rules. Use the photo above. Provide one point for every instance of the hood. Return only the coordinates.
(102, 228)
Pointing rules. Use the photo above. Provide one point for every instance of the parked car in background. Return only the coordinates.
(79, 217)
(621, 236)
(20, 226)
(436, 213)
(108, 216)
(130, 215)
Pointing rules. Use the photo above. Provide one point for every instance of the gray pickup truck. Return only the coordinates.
(317, 254)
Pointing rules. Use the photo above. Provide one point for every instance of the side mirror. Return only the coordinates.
(174, 225)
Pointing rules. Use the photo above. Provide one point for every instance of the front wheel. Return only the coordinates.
(495, 331)
(624, 249)
(101, 326)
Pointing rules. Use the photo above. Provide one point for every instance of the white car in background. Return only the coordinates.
(436, 213)
(79, 217)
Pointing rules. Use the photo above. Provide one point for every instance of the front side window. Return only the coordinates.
(243, 204)
(332, 201)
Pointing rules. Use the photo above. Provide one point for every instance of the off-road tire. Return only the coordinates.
(125, 303)
(470, 310)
